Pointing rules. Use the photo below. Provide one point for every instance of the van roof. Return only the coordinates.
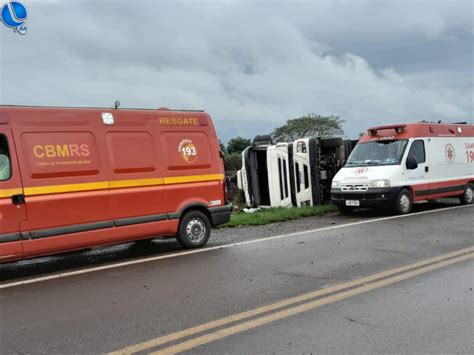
(420, 129)
(96, 108)
(56, 115)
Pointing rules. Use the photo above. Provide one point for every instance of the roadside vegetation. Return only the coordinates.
(273, 215)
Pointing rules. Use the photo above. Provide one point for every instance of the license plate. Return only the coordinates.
(352, 203)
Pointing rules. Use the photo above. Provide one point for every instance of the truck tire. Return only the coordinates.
(331, 142)
(345, 209)
(403, 202)
(194, 230)
(467, 197)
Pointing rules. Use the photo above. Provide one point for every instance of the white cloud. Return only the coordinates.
(250, 65)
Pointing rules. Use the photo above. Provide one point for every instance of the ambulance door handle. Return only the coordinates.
(18, 199)
(426, 169)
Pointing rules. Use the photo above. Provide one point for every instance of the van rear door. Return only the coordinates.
(12, 206)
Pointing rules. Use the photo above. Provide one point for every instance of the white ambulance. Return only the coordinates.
(394, 166)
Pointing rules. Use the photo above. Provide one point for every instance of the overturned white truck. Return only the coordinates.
(291, 174)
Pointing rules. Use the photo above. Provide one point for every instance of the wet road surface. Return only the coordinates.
(113, 309)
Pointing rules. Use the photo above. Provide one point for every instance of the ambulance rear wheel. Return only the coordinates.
(404, 202)
(194, 230)
(467, 196)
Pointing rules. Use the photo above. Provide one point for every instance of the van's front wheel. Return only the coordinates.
(194, 230)
(467, 197)
(404, 202)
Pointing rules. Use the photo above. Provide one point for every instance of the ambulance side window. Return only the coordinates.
(418, 151)
(5, 167)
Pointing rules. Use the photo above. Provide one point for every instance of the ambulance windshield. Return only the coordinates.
(388, 152)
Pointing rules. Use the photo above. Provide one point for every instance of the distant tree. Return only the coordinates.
(310, 125)
(222, 145)
(238, 144)
(232, 162)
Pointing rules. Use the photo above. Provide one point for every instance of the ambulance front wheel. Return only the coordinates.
(194, 230)
(467, 197)
(403, 202)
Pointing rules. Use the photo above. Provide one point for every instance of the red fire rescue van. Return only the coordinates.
(74, 178)
(393, 166)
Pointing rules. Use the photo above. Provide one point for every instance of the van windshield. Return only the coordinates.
(388, 152)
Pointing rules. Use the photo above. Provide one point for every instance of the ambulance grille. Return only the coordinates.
(354, 187)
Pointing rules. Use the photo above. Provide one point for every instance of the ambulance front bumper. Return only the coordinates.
(377, 197)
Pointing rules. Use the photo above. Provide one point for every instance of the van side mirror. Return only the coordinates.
(411, 163)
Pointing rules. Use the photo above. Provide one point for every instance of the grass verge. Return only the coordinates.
(273, 215)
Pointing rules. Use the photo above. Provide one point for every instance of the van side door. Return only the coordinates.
(66, 188)
(12, 206)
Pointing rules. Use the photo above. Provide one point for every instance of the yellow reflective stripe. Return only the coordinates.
(135, 183)
(10, 192)
(55, 189)
(195, 178)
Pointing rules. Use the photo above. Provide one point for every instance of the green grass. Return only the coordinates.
(273, 215)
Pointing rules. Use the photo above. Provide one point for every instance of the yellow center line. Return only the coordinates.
(219, 334)
(287, 302)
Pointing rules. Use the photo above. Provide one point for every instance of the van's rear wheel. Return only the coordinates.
(404, 202)
(467, 197)
(194, 230)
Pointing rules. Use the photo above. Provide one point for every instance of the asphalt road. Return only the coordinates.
(426, 307)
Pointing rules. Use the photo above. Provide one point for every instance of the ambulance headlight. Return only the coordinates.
(379, 183)
(335, 184)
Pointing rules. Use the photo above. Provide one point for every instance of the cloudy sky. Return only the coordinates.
(250, 64)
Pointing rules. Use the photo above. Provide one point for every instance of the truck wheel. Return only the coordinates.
(345, 209)
(331, 142)
(404, 202)
(194, 230)
(467, 197)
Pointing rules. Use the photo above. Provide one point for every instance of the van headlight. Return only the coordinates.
(335, 184)
(379, 183)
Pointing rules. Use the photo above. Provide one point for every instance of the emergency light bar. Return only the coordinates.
(372, 131)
